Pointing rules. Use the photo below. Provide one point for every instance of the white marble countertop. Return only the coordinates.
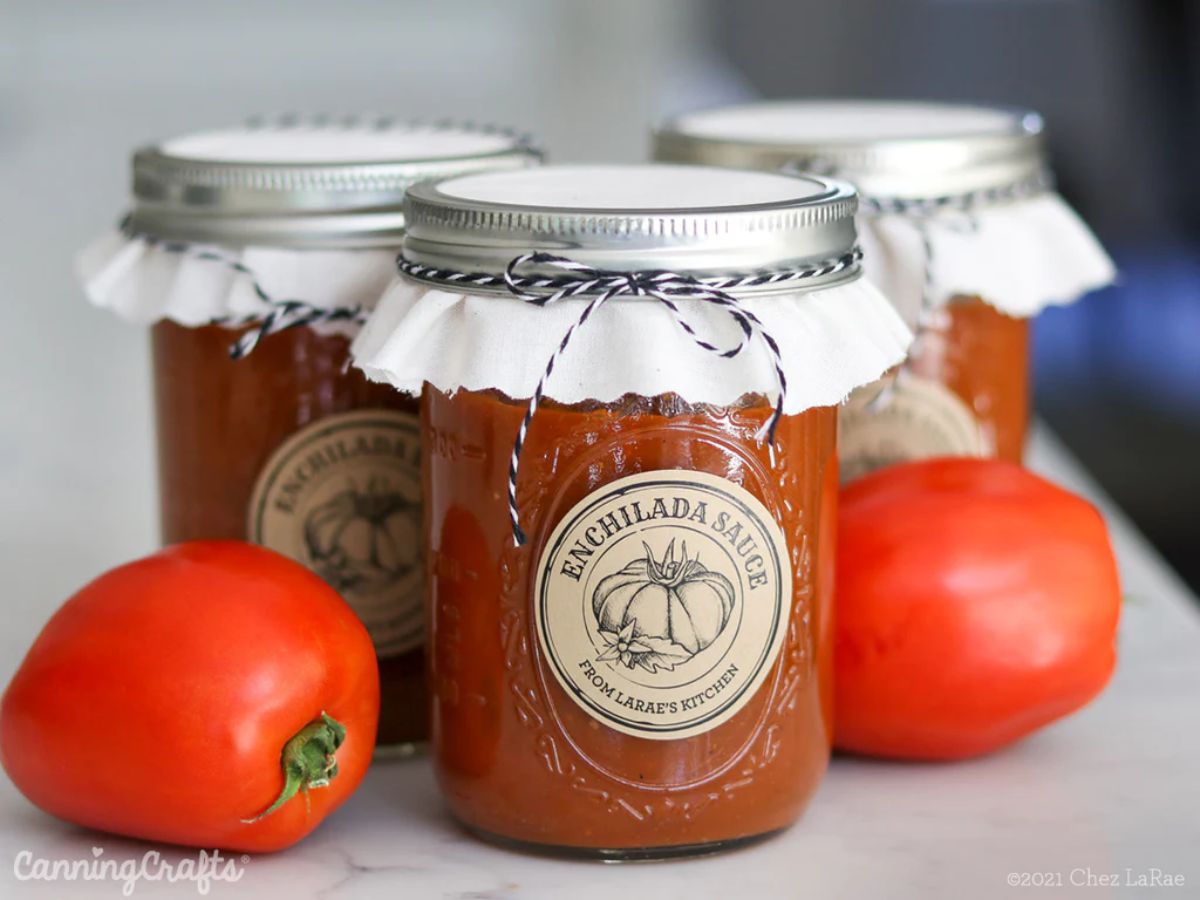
(1111, 791)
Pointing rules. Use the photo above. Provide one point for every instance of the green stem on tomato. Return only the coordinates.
(308, 761)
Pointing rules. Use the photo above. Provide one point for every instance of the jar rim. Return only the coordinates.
(306, 182)
(694, 220)
(886, 148)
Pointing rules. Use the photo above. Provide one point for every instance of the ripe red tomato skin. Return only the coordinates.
(157, 700)
(976, 603)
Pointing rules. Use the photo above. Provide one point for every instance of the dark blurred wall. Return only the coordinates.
(1118, 375)
(1111, 77)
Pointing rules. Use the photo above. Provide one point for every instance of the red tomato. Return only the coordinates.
(167, 699)
(975, 603)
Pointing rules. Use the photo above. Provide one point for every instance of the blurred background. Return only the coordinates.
(81, 84)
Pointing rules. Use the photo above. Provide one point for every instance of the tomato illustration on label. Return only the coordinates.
(343, 497)
(363, 540)
(662, 601)
(656, 614)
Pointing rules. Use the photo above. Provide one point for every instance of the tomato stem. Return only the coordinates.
(308, 761)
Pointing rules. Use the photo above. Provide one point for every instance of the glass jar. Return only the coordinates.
(270, 244)
(981, 356)
(962, 232)
(630, 603)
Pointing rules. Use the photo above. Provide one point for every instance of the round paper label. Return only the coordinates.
(343, 497)
(662, 602)
(913, 418)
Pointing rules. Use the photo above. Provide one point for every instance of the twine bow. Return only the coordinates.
(573, 279)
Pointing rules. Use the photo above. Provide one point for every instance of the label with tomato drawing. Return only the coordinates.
(343, 497)
(906, 419)
(662, 602)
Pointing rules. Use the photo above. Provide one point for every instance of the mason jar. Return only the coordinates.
(962, 231)
(628, 380)
(253, 254)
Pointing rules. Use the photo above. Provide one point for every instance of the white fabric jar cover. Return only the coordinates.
(956, 198)
(833, 332)
(145, 281)
(288, 222)
(831, 341)
(1019, 256)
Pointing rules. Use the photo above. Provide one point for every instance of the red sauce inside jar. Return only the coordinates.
(221, 424)
(964, 391)
(983, 357)
(516, 757)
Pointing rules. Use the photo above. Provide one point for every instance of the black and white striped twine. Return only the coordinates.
(281, 315)
(575, 279)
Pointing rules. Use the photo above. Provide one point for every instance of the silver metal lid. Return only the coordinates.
(694, 220)
(886, 148)
(305, 183)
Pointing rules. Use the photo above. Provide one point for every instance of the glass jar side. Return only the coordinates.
(291, 448)
(982, 355)
(517, 756)
(964, 391)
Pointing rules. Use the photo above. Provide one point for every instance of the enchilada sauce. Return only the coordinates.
(650, 672)
(964, 392)
(290, 448)
(983, 357)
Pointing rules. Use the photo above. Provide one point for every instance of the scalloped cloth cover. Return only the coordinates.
(1020, 256)
(831, 339)
(198, 283)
